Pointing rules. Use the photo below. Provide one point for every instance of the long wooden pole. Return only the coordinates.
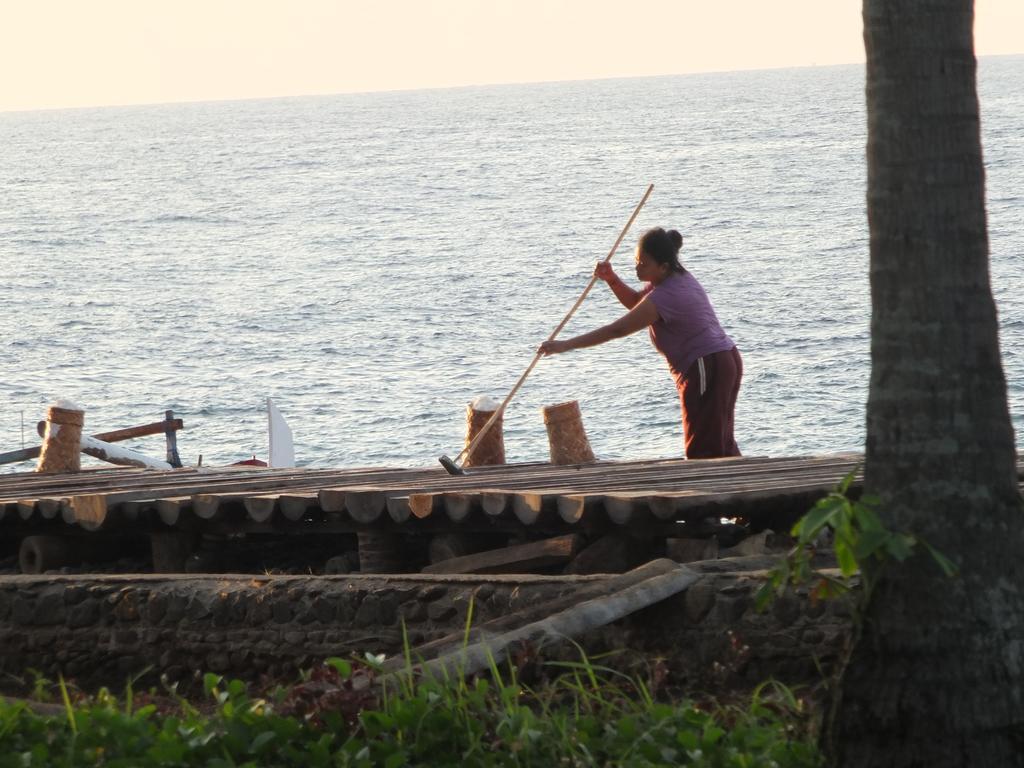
(501, 409)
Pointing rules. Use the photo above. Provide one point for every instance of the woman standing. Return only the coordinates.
(703, 360)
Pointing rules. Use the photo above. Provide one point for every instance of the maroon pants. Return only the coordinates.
(708, 393)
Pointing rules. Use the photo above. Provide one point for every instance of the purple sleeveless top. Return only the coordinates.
(688, 327)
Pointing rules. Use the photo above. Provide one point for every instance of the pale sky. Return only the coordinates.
(70, 53)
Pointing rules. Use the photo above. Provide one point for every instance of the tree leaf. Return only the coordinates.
(846, 482)
(867, 519)
(948, 566)
(847, 560)
(900, 546)
(828, 588)
(211, 681)
(821, 514)
(261, 741)
(870, 542)
(341, 666)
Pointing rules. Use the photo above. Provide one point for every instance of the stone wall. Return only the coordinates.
(105, 629)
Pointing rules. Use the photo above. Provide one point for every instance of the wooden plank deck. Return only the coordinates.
(541, 496)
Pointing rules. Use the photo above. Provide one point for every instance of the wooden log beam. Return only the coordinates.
(299, 505)
(627, 509)
(193, 485)
(449, 546)
(260, 508)
(90, 511)
(570, 622)
(495, 504)
(48, 508)
(646, 476)
(170, 510)
(535, 507)
(415, 505)
(523, 558)
(458, 505)
(135, 511)
(424, 505)
(573, 508)
(365, 505)
(26, 508)
(332, 500)
(113, 454)
(220, 507)
(585, 589)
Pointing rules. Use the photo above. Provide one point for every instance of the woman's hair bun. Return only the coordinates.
(663, 246)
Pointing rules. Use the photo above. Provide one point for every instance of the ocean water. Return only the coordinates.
(372, 262)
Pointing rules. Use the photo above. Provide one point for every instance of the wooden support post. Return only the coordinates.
(379, 552)
(172, 440)
(171, 550)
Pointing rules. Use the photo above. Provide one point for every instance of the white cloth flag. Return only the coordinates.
(282, 449)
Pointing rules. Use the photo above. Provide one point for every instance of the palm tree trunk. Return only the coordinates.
(937, 675)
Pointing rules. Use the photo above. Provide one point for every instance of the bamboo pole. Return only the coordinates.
(468, 450)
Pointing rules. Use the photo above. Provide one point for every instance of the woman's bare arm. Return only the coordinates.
(638, 318)
(627, 296)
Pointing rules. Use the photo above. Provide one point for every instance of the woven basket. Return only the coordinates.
(491, 448)
(62, 442)
(567, 439)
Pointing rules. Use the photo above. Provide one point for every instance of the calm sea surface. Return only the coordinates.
(372, 262)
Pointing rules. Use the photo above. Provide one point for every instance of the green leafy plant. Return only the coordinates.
(862, 544)
(584, 714)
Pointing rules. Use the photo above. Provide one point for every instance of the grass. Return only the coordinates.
(345, 714)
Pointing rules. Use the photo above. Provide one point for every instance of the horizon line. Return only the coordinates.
(452, 87)
(461, 86)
